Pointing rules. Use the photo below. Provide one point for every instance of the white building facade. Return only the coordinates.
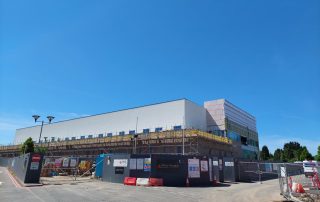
(178, 114)
(219, 117)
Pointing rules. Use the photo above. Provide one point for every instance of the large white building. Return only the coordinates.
(218, 116)
(156, 117)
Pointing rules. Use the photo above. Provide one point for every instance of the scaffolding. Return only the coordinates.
(141, 143)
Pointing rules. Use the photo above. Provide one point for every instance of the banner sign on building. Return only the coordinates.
(228, 164)
(204, 166)
(73, 162)
(139, 164)
(193, 168)
(133, 164)
(215, 163)
(168, 164)
(58, 162)
(65, 162)
(120, 162)
(34, 166)
(35, 159)
(118, 170)
(147, 164)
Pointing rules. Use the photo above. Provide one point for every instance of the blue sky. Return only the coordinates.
(76, 58)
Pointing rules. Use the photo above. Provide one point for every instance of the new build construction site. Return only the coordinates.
(174, 144)
(174, 127)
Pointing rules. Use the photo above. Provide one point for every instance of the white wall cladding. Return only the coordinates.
(215, 114)
(165, 115)
(195, 116)
(218, 110)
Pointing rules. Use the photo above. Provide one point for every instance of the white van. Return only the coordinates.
(310, 167)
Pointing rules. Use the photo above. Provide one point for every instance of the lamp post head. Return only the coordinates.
(36, 117)
(50, 118)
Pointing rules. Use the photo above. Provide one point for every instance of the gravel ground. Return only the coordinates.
(102, 191)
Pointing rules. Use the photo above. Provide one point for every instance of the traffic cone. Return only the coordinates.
(300, 188)
(187, 183)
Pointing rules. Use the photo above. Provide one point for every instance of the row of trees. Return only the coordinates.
(290, 152)
(28, 146)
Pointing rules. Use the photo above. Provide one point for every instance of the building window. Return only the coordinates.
(83, 137)
(100, 135)
(109, 135)
(158, 129)
(66, 139)
(90, 136)
(176, 127)
(132, 132)
(146, 131)
(52, 139)
(244, 140)
(121, 133)
(73, 138)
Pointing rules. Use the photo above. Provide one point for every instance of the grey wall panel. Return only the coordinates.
(112, 173)
(229, 169)
(26, 167)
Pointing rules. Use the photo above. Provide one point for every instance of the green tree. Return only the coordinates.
(291, 151)
(41, 150)
(264, 154)
(318, 154)
(27, 146)
(305, 155)
(278, 155)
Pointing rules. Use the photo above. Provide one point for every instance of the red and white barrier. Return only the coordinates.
(142, 182)
(130, 181)
(155, 181)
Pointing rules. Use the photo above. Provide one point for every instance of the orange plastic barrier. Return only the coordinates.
(155, 182)
(130, 181)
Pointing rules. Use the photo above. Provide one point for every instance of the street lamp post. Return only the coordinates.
(36, 117)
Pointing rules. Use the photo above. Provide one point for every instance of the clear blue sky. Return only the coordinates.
(76, 58)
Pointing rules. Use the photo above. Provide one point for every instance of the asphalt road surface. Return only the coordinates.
(11, 191)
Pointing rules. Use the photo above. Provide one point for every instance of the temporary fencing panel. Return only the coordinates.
(215, 169)
(295, 185)
(99, 164)
(221, 173)
(228, 169)
(204, 179)
(140, 165)
(27, 167)
(171, 168)
(116, 168)
(256, 171)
